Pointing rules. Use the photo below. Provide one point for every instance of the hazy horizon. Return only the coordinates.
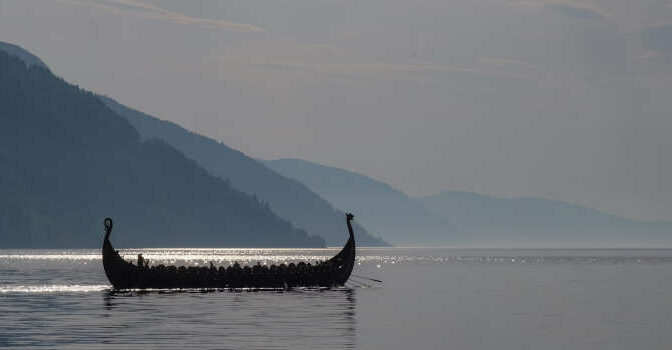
(547, 98)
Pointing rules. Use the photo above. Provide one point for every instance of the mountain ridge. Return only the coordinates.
(386, 210)
(68, 161)
(287, 197)
(26, 56)
(531, 218)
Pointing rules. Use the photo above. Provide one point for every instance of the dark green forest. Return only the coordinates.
(67, 161)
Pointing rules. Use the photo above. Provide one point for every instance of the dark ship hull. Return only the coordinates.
(126, 275)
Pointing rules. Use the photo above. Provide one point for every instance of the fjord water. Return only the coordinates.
(431, 298)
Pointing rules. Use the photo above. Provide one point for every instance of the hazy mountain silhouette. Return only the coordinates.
(383, 210)
(27, 57)
(67, 161)
(288, 198)
(538, 220)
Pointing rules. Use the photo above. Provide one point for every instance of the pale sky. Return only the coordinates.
(570, 100)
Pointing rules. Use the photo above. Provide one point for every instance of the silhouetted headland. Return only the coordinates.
(66, 159)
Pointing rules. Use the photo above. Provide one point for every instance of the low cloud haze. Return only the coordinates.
(562, 99)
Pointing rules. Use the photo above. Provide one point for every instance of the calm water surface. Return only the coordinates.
(430, 299)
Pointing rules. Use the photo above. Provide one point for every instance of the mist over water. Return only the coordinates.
(431, 298)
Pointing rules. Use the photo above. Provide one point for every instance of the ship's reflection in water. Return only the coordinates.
(299, 318)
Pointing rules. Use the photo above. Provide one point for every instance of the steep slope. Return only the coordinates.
(288, 198)
(533, 220)
(384, 210)
(67, 160)
(25, 56)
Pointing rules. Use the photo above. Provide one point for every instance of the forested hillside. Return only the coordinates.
(287, 197)
(67, 161)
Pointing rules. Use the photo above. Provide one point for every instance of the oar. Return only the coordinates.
(360, 284)
(368, 278)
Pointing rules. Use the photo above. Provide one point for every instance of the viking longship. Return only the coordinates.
(123, 274)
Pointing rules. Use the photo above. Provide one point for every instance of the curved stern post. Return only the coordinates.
(345, 259)
(118, 271)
